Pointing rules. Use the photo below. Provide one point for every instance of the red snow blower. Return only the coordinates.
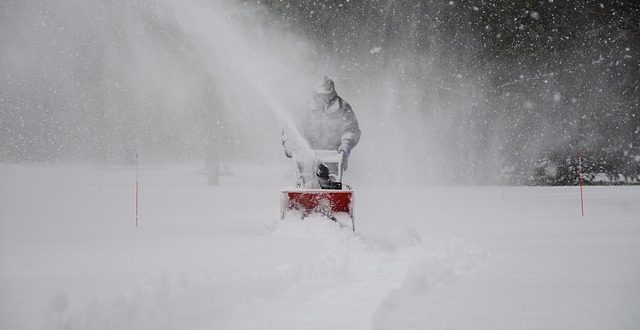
(319, 188)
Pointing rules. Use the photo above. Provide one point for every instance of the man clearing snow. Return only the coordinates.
(320, 151)
(330, 124)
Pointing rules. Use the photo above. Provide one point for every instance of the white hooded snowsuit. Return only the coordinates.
(331, 126)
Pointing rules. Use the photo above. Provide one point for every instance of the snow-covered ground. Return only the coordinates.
(208, 257)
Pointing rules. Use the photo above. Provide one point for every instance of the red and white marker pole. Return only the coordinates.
(580, 182)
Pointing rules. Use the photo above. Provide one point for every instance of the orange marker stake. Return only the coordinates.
(136, 190)
(580, 182)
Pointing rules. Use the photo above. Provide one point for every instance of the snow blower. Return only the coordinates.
(319, 188)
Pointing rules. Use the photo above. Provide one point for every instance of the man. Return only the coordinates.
(330, 123)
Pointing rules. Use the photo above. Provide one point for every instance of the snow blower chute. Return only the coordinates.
(319, 188)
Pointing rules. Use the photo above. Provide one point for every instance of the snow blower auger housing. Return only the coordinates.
(319, 188)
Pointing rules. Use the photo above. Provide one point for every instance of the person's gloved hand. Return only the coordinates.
(344, 147)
